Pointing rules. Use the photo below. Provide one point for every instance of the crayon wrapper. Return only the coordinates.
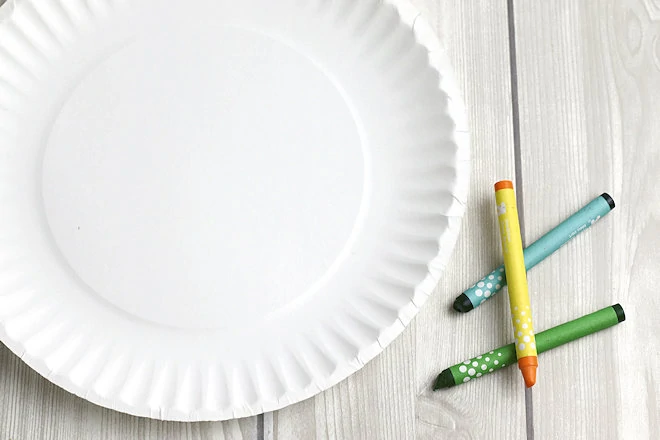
(514, 262)
(487, 286)
(484, 364)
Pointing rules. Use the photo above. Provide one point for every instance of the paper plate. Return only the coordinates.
(212, 209)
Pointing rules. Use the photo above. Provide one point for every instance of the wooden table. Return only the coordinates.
(564, 97)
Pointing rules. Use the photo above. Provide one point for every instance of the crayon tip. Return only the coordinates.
(609, 200)
(463, 304)
(528, 365)
(620, 315)
(444, 380)
(529, 374)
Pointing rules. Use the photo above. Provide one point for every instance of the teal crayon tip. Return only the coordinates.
(463, 304)
(444, 380)
(609, 200)
(620, 315)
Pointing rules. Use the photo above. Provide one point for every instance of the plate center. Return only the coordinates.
(203, 179)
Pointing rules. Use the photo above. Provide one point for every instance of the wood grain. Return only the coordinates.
(390, 398)
(476, 35)
(589, 87)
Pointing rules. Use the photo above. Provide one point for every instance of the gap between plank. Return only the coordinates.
(515, 117)
(529, 413)
(266, 426)
(260, 427)
(517, 152)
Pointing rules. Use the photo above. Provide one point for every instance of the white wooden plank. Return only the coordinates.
(476, 36)
(390, 397)
(589, 84)
(33, 408)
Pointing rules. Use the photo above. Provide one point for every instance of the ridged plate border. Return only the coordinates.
(426, 37)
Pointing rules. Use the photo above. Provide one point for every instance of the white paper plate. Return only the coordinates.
(212, 209)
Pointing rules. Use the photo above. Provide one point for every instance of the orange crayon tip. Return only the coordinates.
(503, 184)
(528, 365)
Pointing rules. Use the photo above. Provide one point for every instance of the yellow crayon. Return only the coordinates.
(516, 275)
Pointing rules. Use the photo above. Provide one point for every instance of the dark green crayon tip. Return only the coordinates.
(444, 380)
(463, 304)
(620, 315)
(608, 199)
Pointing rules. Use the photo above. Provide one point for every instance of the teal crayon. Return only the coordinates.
(492, 283)
(546, 340)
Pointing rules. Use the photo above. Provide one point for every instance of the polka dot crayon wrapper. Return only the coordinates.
(484, 364)
(514, 263)
(487, 286)
(547, 340)
(521, 318)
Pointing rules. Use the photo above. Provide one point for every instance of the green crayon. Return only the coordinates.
(504, 356)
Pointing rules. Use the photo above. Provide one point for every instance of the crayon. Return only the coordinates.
(492, 283)
(514, 266)
(546, 340)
